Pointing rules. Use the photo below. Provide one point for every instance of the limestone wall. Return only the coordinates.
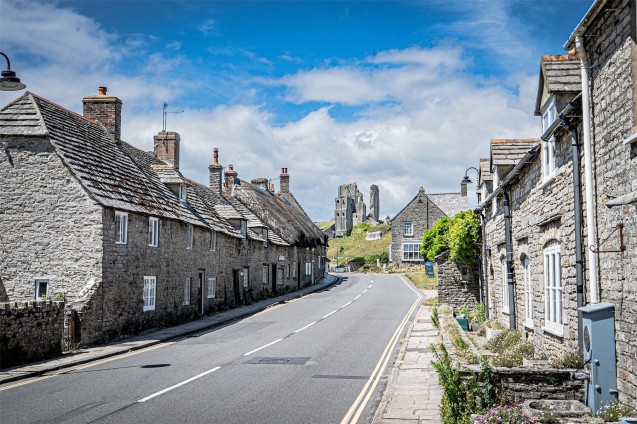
(30, 331)
(458, 284)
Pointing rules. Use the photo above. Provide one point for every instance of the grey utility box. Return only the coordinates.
(598, 322)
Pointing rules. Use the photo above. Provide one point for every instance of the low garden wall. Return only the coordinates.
(30, 331)
(458, 284)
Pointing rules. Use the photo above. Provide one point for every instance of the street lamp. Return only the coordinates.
(9, 81)
(466, 179)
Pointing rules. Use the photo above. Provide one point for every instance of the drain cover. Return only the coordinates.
(300, 360)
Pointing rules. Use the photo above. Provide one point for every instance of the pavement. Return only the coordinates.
(153, 337)
(413, 394)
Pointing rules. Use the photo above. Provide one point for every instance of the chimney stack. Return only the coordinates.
(463, 189)
(214, 173)
(167, 147)
(105, 109)
(284, 180)
(231, 174)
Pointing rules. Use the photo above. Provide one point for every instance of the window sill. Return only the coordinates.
(529, 325)
(553, 331)
(506, 312)
(120, 243)
(211, 297)
(547, 181)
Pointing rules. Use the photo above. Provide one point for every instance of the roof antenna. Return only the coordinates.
(163, 127)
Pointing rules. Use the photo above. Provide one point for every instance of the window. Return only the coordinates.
(212, 288)
(528, 294)
(288, 271)
(548, 115)
(183, 193)
(408, 228)
(121, 226)
(553, 289)
(308, 268)
(506, 308)
(150, 285)
(548, 158)
(41, 288)
(266, 270)
(411, 252)
(265, 237)
(187, 284)
(213, 241)
(294, 270)
(189, 236)
(153, 232)
(246, 280)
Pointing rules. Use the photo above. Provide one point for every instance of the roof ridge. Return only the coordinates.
(62, 108)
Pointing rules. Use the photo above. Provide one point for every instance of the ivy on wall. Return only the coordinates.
(460, 235)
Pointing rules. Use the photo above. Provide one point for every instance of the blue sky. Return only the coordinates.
(401, 94)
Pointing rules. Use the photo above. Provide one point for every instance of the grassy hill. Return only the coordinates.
(357, 246)
(324, 224)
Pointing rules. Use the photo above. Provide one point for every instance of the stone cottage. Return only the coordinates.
(417, 216)
(123, 236)
(570, 201)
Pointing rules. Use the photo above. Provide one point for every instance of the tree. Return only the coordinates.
(461, 235)
(435, 240)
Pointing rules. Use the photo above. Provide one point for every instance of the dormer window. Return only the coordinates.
(244, 229)
(548, 159)
(183, 193)
(548, 115)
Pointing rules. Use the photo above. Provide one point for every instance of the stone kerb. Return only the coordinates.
(30, 331)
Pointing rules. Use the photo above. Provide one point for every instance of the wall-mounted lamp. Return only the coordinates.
(466, 179)
(9, 81)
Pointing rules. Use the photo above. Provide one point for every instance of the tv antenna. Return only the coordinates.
(165, 115)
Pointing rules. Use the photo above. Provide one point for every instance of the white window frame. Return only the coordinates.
(506, 307)
(265, 237)
(549, 160)
(213, 241)
(212, 287)
(187, 285)
(553, 290)
(153, 231)
(408, 228)
(121, 224)
(528, 294)
(288, 271)
(266, 273)
(308, 268)
(294, 266)
(38, 292)
(244, 229)
(150, 292)
(409, 254)
(183, 193)
(189, 236)
(549, 114)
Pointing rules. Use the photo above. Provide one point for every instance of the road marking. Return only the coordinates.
(370, 286)
(365, 291)
(331, 313)
(355, 411)
(357, 297)
(347, 304)
(161, 392)
(81, 367)
(309, 325)
(262, 347)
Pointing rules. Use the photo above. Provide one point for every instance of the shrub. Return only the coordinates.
(614, 410)
(507, 414)
(434, 317)
(479, 315)
(511, 349)
(569, 360)
(465, 236)
(435, 240)
(358, 260)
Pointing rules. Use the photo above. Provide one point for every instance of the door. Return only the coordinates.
(273, 278)
(236, 286)
(202, 275)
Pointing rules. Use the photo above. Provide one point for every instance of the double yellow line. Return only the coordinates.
(357, 408)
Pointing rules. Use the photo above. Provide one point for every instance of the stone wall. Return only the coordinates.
(30, 331)
(613, 59)
(49, 227)
(458, 284)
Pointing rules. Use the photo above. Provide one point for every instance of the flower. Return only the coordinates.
(507, 415)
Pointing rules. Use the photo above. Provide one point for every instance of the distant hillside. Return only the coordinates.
(357, 246)
(323, 224)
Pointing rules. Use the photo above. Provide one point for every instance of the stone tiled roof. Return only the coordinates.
(560, 74)
(509, 151)
(292, 224)
(450, 203)
(22, 117)
(485, 171)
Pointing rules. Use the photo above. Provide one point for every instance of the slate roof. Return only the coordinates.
(450, 203)
(291, 223)
(485, 171)
(509, 151)
(560, 74)
(121, 176)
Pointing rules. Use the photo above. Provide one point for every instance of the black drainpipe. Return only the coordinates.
(485, 275)
(508, 241)
(577, 203)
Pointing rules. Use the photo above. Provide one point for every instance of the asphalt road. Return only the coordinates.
(319, 359)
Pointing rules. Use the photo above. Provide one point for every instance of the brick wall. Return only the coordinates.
(30, 331)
